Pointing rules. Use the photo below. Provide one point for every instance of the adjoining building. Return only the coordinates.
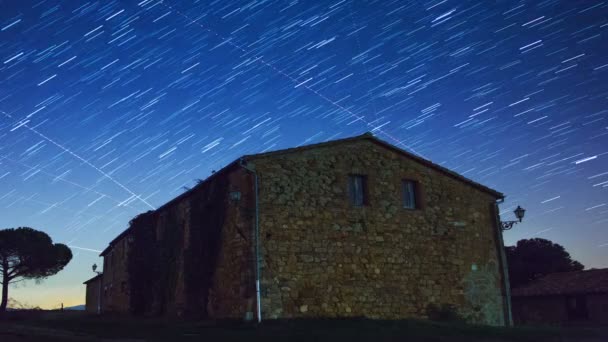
(93, 297)
(346, 228)
(565, 298)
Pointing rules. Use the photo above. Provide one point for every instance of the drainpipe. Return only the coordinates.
(505, 269)
(243, 164)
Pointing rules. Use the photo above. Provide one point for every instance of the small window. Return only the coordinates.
(410, 191)
(357, 190)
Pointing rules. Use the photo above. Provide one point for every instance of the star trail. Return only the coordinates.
(111, 108)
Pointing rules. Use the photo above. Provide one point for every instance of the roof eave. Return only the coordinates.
(113, 242)
(93, 279)
(498, 195)
(194, 188)
(174, 200)
(369, 136)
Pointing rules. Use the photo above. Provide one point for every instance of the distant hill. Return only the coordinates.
(75, 308)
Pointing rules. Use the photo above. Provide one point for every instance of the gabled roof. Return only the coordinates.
(566, 283)
(114, 241)
(366, 136)
(99, 275)
(370, 137)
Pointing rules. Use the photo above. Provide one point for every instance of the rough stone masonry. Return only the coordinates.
(321, 256)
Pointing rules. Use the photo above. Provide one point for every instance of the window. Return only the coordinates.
(410, 192)
(357, 190)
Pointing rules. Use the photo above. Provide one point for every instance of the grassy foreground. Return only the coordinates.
(76, 326)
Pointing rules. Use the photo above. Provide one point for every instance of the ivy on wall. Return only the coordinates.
(207, 216)
(168, 248)
(154, 263)
(140, 262)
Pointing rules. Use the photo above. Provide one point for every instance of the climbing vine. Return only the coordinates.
(154, 261)
(207, 215)
(140, 262)
(169, 249)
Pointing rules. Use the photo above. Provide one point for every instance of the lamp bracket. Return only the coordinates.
(506, 225)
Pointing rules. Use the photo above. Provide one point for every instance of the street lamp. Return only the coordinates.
(519, 214)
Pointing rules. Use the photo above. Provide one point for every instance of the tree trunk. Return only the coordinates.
(4, 290)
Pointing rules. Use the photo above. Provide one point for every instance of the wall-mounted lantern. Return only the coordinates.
(519, 214)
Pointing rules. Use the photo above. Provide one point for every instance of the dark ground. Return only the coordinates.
(77, 326)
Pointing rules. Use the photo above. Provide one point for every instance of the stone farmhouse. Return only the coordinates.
(347, 228)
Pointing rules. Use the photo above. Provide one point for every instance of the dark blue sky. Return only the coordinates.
(109, 108)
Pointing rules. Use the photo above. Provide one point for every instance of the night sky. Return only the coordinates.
(110, 108)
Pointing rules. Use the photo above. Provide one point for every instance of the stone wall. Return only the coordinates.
(539, 310)
(232, 293)
(92, 295)
(597, 305)
(322, 257)
(115, 287)
(200, 251)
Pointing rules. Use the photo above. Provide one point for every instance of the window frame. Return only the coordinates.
(417, 194)
(364, 190)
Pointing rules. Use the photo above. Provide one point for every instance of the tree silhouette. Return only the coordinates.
(26, 253)
(532, 258)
